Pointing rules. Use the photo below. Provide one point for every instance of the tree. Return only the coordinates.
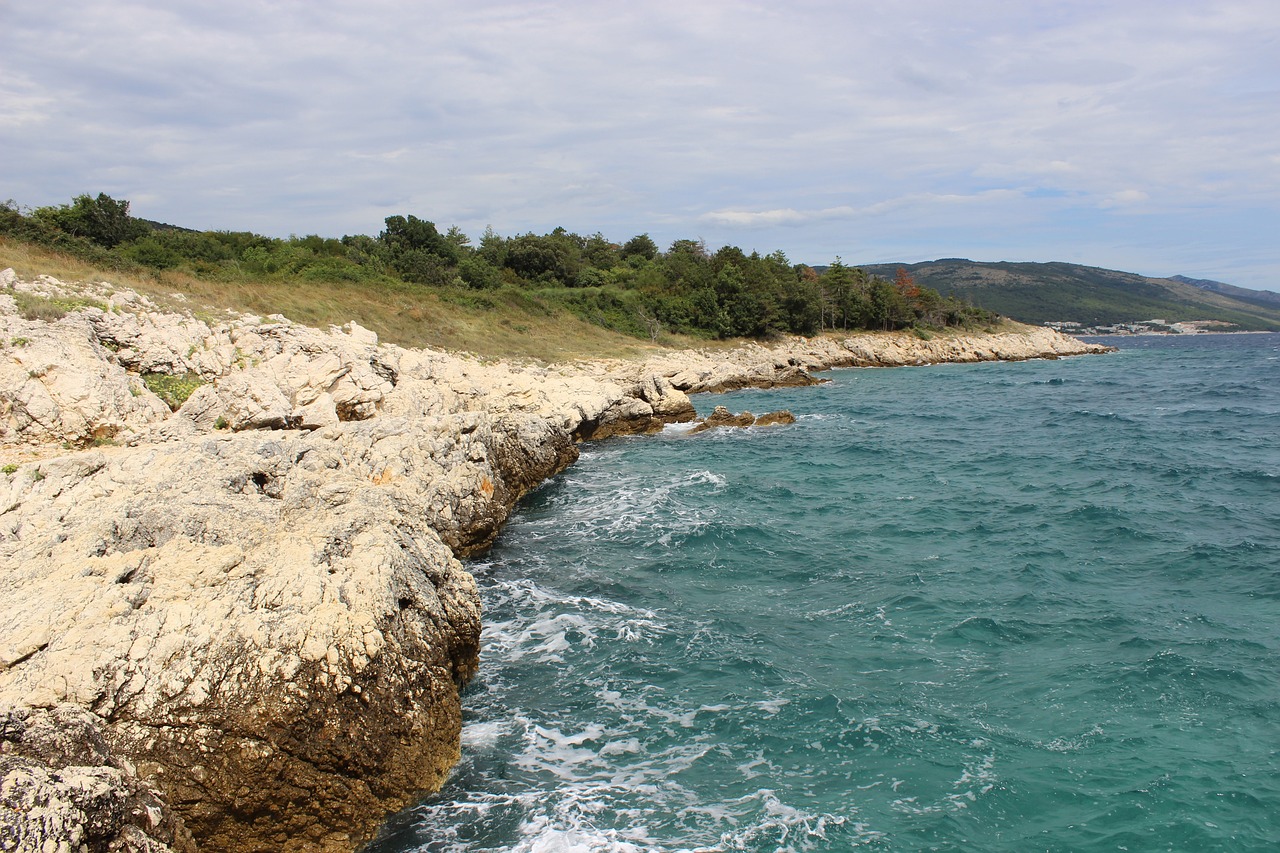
(103, 220)
(479, 273)
(742, 311)
(888, 308)
(493, 248)
(642, 245)
(906, 284)
(600, 253)
(409, 233)
(552, 259)
(456, 238)
(836, 290)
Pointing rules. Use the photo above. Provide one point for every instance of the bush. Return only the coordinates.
(33, 306)
(103, 220)
(174, 390)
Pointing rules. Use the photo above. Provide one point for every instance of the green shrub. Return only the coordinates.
(10, 468)
(174, 390)
(33, 306)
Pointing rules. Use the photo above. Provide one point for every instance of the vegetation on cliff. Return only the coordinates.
(632, 287)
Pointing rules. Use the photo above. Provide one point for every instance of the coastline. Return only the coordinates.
(255, 601)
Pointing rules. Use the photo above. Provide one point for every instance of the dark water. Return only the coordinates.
(997, 607)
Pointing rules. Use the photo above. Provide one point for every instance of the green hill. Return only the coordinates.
(1042, 292)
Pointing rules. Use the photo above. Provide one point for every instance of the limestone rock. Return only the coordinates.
(62, 788)
(780, 417)
(722, 417)
(319, 413)
(238, 401)
(263, 619)
(670, 405)
(57, 385)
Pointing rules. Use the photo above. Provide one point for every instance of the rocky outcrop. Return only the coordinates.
(257, 596)
(791, 361)
(722, 417)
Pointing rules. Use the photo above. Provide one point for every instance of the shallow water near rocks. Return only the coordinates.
(994, 607)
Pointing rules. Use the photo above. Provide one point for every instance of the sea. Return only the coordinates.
(969, 607)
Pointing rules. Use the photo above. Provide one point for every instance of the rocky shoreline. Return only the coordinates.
(249, 611)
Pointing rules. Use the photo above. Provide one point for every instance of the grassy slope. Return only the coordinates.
(515, 324)
(1034, 293)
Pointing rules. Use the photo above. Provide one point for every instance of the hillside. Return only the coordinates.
(1043, 292)
(1265, 298)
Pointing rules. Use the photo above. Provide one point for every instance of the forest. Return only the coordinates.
(633, 287)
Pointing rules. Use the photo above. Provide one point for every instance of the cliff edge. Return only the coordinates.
(229, 549)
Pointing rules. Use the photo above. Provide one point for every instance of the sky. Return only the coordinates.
(1141, 135)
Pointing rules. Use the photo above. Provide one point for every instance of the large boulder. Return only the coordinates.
(261, 621)
(58, 384)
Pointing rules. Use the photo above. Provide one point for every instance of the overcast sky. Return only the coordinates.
(1141, 135)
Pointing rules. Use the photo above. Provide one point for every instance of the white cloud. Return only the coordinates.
(812, 126)
(1124, 198)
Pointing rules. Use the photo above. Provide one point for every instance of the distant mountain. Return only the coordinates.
(1041, 292)
(1266, 298)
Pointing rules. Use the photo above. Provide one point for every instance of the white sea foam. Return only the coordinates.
(549, 623)
(658, 511)
(765, 819)
(483, 734)
(772, 706)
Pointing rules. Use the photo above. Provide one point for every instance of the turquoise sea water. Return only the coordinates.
(994, 607)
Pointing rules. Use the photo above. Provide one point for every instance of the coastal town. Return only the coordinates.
(1143, 327)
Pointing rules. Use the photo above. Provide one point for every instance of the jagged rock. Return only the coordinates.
(318, 414)
(792, 361)
(264, 619)
(722, 417)
(62, 788)
(57, 384)
(670, 405)
(780, 417)
(238, 401)
(156, 342)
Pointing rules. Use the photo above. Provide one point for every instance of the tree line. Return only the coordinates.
(633, 287)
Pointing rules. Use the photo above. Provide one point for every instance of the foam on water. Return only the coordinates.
(976, 607)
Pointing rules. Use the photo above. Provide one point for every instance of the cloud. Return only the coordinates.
(814, 127)
(1124, 198)
(786, 216)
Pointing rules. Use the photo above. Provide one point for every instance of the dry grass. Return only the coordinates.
(511, 325)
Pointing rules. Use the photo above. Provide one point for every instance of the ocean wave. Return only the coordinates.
(661, 511)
